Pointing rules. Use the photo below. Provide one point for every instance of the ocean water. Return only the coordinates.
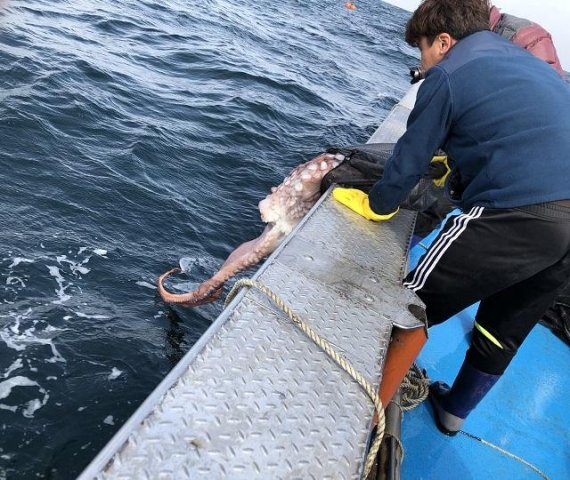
(135, 134)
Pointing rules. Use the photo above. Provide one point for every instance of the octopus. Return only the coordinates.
(281, 210)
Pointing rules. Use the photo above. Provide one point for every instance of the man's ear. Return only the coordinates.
(445, 41)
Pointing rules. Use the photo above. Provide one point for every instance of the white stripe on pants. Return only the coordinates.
(440, 246)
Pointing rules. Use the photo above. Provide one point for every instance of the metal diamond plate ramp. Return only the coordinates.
(255, 398)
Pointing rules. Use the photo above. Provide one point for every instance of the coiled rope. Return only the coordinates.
(414, 388)
(330, 351)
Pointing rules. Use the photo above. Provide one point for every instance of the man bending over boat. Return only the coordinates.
(503, 116)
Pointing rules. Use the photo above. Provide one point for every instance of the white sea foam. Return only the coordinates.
(109, 420)
(19, 260)
(115, 373)
(18, 338)
(62, 296)
(15, 366)
(12, 280)
(146, 284)
(6, 386)
(31, 406)
(186, 263)
(18, 393)
(95, 317)
(74, 266)
(15, 279)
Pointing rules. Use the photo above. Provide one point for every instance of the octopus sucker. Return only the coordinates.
(282, 210)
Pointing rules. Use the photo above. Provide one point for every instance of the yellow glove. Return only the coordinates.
(357, 201)
(440, 182)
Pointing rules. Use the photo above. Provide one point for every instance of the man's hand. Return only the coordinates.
(357, 201)
(442, 159)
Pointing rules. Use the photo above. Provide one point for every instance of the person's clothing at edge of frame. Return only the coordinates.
(526, 34)
(501, 114)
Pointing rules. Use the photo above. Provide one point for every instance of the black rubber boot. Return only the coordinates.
(452, 405)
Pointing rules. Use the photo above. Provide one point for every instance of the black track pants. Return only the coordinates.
(514, 260)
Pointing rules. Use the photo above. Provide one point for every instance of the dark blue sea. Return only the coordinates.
(134, 135)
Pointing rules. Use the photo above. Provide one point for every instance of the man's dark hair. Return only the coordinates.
(458, 18)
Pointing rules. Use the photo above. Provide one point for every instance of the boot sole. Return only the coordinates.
(435, 407)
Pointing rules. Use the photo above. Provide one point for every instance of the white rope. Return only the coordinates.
(330, 351)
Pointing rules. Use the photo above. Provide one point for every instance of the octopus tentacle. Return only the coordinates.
(246, 255)
(282, 210)
(204, 294)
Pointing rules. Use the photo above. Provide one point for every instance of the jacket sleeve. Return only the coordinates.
(427, 130)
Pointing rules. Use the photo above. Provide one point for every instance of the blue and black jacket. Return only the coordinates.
(501, 114)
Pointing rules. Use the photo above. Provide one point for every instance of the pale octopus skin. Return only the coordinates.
(282, 210)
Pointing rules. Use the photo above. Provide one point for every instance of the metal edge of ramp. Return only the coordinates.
(254, 397)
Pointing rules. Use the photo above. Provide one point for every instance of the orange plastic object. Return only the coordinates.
(350, 6)
(404, 347)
